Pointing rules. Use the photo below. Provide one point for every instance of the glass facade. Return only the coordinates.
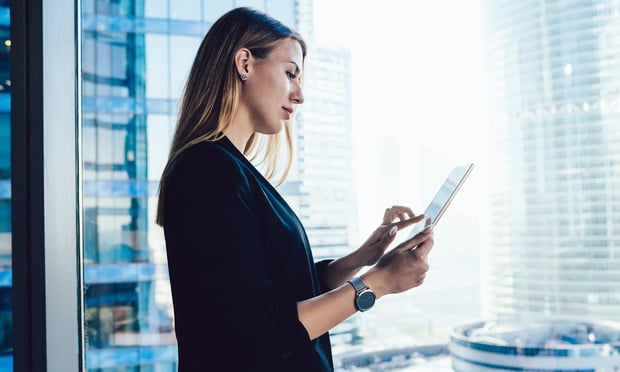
(6, 313)
(131, 58)
(554, 83)
(133, 62)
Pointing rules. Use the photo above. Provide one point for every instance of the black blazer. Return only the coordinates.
(239, 261)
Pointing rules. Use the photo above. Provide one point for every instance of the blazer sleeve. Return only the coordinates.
(215, 257)
(321, 267)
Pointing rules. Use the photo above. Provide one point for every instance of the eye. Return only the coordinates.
(291, 75)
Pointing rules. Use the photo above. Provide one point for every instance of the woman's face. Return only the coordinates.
(272, 91)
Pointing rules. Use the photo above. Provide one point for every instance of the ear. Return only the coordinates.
(243, 58)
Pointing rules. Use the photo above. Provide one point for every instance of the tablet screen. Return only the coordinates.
(444, 196)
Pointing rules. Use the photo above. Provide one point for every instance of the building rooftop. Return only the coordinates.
(552, 333)
(536, 343)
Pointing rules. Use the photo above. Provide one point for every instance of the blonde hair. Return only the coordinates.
(211, 93)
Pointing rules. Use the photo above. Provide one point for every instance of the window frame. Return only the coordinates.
(46, 259)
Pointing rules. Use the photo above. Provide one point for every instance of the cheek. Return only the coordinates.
(278, 84)
(268, 88)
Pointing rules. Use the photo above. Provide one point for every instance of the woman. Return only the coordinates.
(247, 295)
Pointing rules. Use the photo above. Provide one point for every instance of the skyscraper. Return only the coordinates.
(554, 89)
(324, 151)
(326, 204)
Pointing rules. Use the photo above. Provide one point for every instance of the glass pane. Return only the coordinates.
(182, 52)
(189, 11)
(6, 313)
(126, 118)
(157, 68)
(528, 91)
(155, 8)
(214, 9)
(407, 134)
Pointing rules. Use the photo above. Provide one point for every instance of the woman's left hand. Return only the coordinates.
(395, 218)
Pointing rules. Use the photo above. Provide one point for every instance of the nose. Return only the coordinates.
(297, 96)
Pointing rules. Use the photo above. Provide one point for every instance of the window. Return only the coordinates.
(396, 95)
(126, 124)
(354, 136)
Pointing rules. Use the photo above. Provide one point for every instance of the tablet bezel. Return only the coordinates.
(453, 190)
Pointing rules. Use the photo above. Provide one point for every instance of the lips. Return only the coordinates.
(289, 111)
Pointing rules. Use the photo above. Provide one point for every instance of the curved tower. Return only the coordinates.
(554, 88)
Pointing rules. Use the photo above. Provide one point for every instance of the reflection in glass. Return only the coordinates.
(6, 313)
(128, 309)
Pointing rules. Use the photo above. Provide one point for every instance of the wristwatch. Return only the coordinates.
(364, 296)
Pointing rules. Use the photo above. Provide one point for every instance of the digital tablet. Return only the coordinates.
(442, 199)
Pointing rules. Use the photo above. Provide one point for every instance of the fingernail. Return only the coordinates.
(393, 230)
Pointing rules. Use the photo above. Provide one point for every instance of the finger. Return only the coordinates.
(379, 234)
(403, 209)
(424, 248)
(386, 216)
(396, 211)
(389, 236)
(405, 223)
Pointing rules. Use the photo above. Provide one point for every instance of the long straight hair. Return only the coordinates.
(211, 94)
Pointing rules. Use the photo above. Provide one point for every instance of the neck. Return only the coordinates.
(237, 139)
(239, 132)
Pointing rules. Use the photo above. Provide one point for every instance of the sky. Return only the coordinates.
(419, 99)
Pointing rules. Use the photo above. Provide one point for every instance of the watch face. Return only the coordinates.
(365, 300)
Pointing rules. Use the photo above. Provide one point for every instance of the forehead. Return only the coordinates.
(287, 50)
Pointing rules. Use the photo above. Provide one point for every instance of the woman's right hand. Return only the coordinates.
(398, 270)
(402, 268)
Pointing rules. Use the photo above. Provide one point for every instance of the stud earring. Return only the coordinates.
(244, 77)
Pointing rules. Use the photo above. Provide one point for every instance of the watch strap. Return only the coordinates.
(357, 283)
